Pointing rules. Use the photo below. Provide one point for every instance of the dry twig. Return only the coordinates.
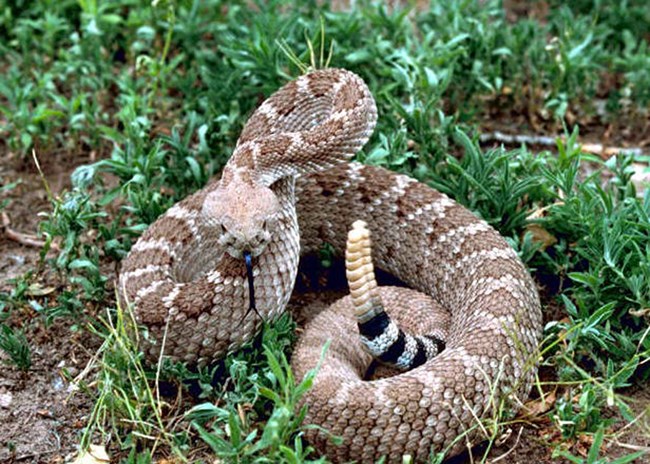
(23, 239)
(545, 140)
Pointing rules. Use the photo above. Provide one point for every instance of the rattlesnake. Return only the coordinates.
(188, 279)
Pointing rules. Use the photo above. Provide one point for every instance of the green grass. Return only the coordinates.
(16, 347)
(160, 93)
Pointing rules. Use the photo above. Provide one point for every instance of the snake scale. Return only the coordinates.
(287, 190)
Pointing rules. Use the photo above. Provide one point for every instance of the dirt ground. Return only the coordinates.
(41, 420)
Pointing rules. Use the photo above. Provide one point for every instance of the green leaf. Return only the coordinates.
(83, 264)
(585, 278)
(274, 365)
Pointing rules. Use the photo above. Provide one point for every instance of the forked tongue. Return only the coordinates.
(251, 288)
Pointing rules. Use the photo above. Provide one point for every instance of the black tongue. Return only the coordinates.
(251, 288)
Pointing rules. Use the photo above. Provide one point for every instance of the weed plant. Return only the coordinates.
(15, 346)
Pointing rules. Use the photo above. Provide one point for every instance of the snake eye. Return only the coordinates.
(269, 224)
(259, 237)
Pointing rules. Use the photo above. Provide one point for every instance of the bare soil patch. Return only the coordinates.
(41, 418)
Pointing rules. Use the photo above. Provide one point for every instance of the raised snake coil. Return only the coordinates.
(187, 280)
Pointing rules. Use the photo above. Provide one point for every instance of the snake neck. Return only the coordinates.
(239, 169)
(276, 268)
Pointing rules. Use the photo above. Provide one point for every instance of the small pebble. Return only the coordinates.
(57, 383)
(5, 400)
(18, 259)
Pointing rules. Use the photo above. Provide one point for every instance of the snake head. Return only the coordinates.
(244, 214)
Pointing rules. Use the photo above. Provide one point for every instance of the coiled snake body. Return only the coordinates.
(287, 190)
